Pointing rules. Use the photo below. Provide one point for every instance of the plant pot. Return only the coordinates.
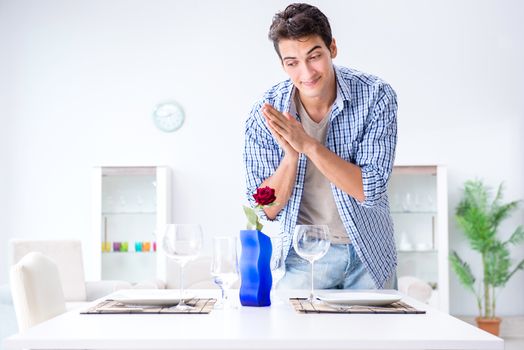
(491, 325)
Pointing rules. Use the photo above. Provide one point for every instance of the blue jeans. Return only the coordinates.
(340, 268)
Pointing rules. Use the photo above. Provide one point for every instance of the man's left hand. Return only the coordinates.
(288, 128)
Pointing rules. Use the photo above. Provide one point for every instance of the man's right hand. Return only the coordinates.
(267, 109)
(283, 179)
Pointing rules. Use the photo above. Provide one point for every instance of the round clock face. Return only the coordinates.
(168, 116)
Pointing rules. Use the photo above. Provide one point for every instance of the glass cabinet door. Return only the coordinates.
(131, 204)
(418, 203)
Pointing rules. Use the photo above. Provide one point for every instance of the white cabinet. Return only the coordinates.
(129, 205)
(419, 208)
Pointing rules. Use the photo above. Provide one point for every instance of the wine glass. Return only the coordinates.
(182, 243)
(278, 266)
(407, 202)
(311, 242)
(224, 267)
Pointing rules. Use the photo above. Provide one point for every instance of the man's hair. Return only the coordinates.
(297, 21)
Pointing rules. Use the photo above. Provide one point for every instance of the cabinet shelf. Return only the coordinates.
(417, 251)
(129, 252)
(409, 212)
(129, 213)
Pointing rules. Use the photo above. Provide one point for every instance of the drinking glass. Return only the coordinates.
(278, 266)
(224, 267)
(407, 202)
(311, 242)
(182, 243)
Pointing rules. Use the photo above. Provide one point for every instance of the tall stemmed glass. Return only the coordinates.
(311, 242)
(278, 266)
(224, 267)
(182, 243)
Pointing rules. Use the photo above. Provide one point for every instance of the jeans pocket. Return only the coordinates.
(294, 260)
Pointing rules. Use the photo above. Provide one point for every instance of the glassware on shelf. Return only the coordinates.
(404, 243)
(422, 246)
(224, 267)
(116, 246)
(106, 247)
(407, 202)
(153, 244)
(108, 203)
(396, 202)
(182, 243)
(311, 242)
(430, 203)
(140, 203)
(417, 204)
(122, 203)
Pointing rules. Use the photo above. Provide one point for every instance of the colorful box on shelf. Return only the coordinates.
(145, 246)
(118, 247)
(106, 247)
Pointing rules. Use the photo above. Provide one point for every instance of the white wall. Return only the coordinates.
(6, 82)
(80, 79)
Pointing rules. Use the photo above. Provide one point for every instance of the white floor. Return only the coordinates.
(511, 330)
(514, 343)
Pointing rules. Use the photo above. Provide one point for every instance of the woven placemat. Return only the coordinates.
(200, 306)
(303, 305)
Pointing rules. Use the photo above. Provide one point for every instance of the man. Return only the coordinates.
(325, 141)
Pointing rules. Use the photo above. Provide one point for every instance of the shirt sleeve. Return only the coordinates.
(376, 152)
(262, 155)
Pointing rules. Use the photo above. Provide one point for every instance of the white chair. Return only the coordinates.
(36, 290)
(67, 254)
(415, 288)
(197, 274)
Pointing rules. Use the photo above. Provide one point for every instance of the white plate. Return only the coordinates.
(357, 298)
(151, 299)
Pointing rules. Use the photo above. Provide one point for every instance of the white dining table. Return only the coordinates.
(277, 327)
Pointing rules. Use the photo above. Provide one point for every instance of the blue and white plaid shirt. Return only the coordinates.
(363, 131)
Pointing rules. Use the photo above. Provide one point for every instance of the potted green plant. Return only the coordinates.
(479, 218)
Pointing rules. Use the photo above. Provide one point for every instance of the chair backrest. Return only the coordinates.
(415, 288)
(67, 254)
(36, 290)
(197, 274)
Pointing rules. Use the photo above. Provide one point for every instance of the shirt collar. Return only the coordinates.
(290, 105)
(343, 90)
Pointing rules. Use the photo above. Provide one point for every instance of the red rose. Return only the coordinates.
(265, 196)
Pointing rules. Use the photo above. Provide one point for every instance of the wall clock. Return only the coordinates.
(168, 116)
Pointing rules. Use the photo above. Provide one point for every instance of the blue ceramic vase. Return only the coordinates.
(255, 268)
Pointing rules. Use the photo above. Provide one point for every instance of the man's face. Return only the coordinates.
(308, 62)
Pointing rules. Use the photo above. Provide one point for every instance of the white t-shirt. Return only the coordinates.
(317, 206)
